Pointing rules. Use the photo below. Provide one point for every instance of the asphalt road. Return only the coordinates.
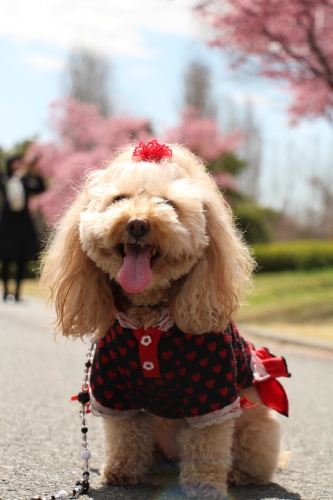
(40, 438)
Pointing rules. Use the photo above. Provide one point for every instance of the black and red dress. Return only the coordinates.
(179, 375)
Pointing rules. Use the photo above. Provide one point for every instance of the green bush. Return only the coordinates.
(296, 255)
(253, 221)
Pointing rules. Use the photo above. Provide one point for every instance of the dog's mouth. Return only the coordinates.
(136, 271)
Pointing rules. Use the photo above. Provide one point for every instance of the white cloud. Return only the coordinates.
(42, 62)
(258, 99)
(111, 26)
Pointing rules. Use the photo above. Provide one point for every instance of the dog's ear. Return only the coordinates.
(79, 291)
(208, 297)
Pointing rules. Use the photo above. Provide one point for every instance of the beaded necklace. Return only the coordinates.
(83, 397)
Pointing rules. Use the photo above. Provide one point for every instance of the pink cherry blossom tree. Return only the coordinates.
(203, 136)
(84, 140)
(290, 39)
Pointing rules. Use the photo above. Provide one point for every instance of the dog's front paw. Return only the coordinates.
(238, 478)
(203, 492)
(120, 474)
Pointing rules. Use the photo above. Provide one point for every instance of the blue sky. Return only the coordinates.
(150, 43)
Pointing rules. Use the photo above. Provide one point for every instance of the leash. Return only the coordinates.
(83, 397)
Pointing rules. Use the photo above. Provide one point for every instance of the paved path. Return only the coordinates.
(40, 428)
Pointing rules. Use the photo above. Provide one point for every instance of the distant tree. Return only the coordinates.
(198, 89)
(84, 140)
(290, 39)
(87, 78)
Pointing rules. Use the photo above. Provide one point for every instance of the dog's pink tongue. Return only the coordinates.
(135, 274)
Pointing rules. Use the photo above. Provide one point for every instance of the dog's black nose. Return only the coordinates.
(137, 227)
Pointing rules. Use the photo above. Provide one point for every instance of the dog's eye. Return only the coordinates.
(168, 202)
(118, 198)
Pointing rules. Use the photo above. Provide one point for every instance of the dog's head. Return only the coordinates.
(149, 227)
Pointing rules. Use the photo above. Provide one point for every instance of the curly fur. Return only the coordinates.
(202, 272)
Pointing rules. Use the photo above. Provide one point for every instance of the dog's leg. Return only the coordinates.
(129, 450)
(166, 431)
(256, 445)
(205, 460)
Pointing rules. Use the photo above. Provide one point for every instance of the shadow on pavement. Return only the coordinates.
(163, 484)
(269, 491)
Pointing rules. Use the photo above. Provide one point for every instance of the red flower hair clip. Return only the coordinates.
(152, 151)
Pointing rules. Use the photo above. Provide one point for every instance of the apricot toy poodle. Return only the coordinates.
(148, 261)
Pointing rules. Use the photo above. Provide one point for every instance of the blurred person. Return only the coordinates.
(18, 239)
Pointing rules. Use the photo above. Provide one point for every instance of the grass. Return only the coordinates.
(299, 302)
(30, 288)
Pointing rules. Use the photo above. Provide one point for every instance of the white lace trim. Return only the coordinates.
(258, 369)
(164, 322)
(101, 411)
(216, 417)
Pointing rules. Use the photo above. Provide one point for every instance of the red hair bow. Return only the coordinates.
(152, 151)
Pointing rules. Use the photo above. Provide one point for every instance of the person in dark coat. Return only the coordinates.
(18, 239)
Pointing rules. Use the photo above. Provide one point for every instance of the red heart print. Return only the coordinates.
(130, 343)
(108, 394)
(111, 374)
(185, 401)
(195, 377)
(203, 397)
(216, 368)
(194, 411)
(215, 406)
(177, 340)
(100, 381)
(97, 365)
(166, 355)
(159, 382)
(212, 346)
(169, 376)
(188, 336)
(118, 406)
(92, 386)
(134, 364)
(113, 354)
(200, 340)
(119, 329)
(121, 387)
(233, 398)
(122, 351)
(182, 371)
(139, 382)
(101, 343)
(189, 390)
(127, 396)
(229, 376)
(210, 383)
(191, 356)
(203, 362)
(177, 362)
(129, 384)
(105, 359)
(232, 362)
(224, 391)
(223, 353)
